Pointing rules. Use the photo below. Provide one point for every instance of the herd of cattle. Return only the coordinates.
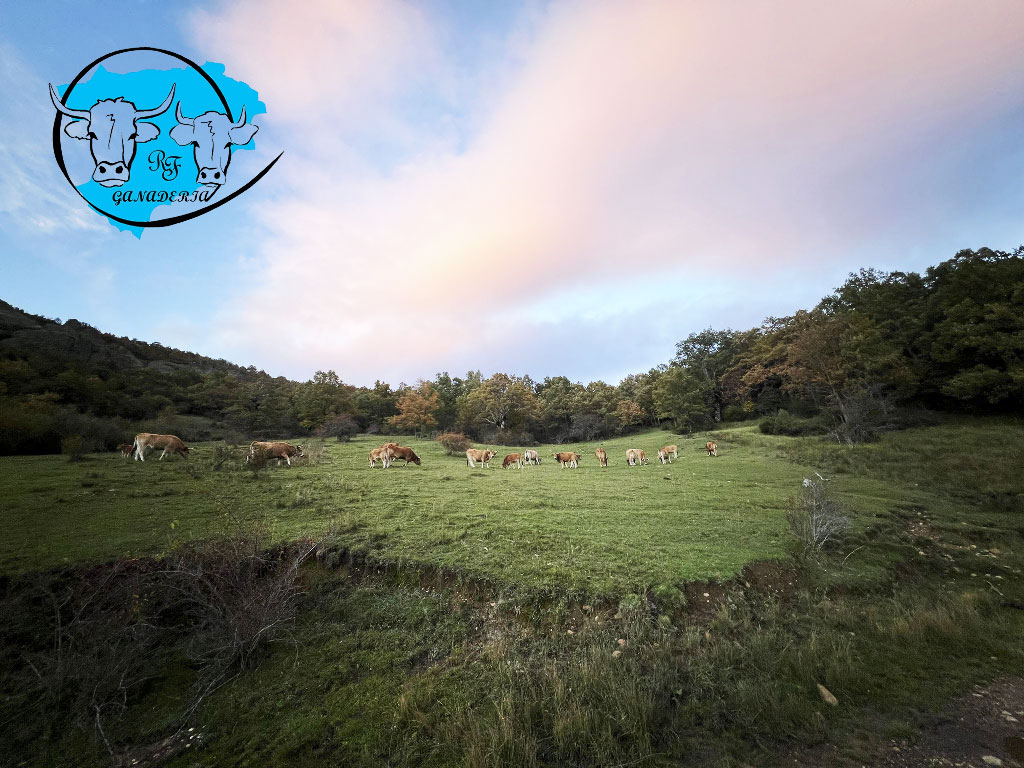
(389, 453)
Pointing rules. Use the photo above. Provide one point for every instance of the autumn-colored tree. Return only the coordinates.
(628, 413)
(417, 409)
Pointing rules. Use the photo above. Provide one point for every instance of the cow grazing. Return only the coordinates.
(385, 455)
(531, 457)
(483, 457)
(567, 459)
(513, 460)
(125, 449)
(395, 452)
(146, 442)
(712, 448)
(113, 129)
(378, 454)
(211, 135)
(667, 453)
(602, 457)
(274, 450)
(635, 457)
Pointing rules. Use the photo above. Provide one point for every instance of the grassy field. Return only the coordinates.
(551, 617)
(601, 531)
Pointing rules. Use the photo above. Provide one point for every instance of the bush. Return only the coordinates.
(454, 442)
(816, 518)
(736, 413)
(785, 423)
(73, 446)
(342, 426)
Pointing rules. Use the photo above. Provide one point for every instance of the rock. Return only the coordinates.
(616, 654)
(826, 696)
(991, 760)
(622, 642)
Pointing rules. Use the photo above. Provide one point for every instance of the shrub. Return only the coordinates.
(314, 451)
(785, 423)
(342, 426)
(454, 442)
(73, 446)
(816, 518)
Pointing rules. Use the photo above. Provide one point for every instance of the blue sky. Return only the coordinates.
(543, 188)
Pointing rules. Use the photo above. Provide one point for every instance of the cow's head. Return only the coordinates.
(113, 129)
(299, 452)
(211, 135)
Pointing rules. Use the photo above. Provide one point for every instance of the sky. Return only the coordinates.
(543, 188)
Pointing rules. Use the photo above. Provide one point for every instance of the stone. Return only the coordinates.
(826, 696)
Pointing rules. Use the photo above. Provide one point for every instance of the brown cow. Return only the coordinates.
(712, 447)
(474, 454)
(394, 451)
(125, 449)
(602, 457)
(666, 453)
(146, 441)
(635, 457)
(567, 459)
(513, 460)
(274, 450)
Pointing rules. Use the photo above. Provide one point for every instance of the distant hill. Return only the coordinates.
(24, 335)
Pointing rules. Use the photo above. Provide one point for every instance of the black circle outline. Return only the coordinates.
(58, 152)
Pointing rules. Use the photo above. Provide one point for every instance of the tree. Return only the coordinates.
(323, 396)
(682, 396)
(628, 413)
(502, 401)
(708, 355)
(417, 409)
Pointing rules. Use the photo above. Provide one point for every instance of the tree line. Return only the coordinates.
(882, 347)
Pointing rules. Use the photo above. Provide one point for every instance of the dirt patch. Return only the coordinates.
(770, 577)
(988, 722)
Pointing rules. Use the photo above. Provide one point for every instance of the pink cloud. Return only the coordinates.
(649, 139)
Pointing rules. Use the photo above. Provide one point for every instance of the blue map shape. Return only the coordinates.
(147, 89)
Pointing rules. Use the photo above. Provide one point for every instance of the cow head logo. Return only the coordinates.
(211, 135)
(113, 127)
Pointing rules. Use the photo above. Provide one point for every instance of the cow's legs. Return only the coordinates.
(288, 459)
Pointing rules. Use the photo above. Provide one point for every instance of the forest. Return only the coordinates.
(884, 350)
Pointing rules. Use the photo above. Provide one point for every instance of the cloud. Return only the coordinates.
(670, 143)
(33, 195)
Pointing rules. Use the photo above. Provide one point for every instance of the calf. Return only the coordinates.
(712, 448)
(602, 457)
(395, 452)
(274, 450)
(513, 460)
(531, 457)
(567, 459)
(125, 449)
(378, 454)
(476, 455)
(146, 441)
(635, 457)
(667, 453)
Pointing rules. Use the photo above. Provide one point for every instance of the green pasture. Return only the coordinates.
(592, 530)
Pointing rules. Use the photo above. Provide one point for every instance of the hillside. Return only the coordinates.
(28, 336)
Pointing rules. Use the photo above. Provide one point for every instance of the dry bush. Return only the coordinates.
(454, 442)
(314, 450)
(816, 518)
